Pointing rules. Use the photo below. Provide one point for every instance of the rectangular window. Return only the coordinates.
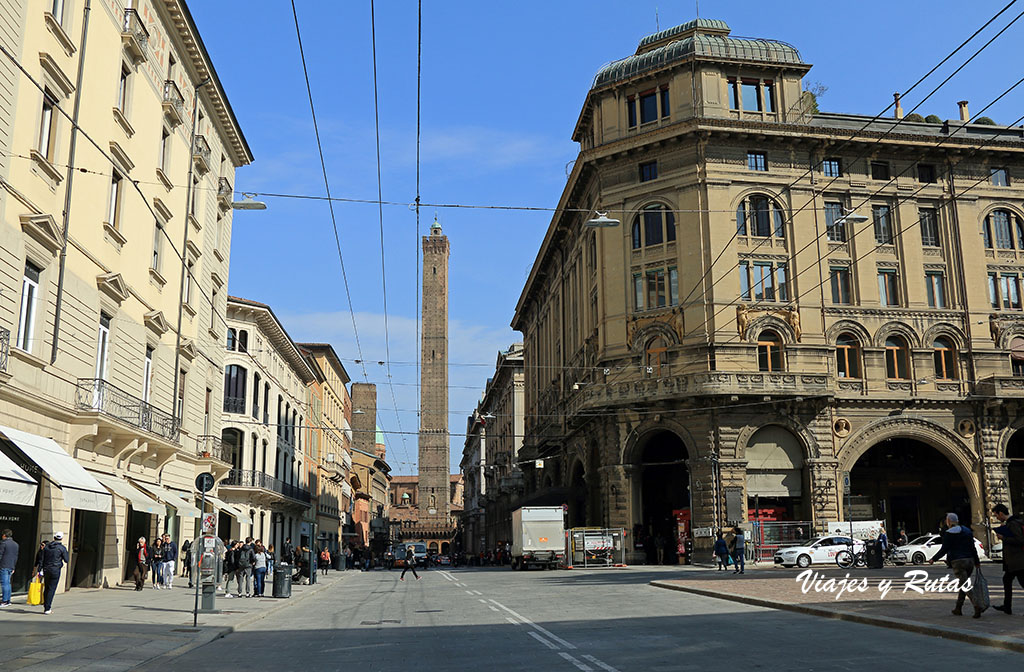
(936, 286)
(929, 227)
(648, 171)
(158, 242)
(925, 173)
(189, 281)
(764, 290)
(147, 374)
(836, 229)
(648, 107)
(1000, 221)
(638, 291)
(888, 288)
(213, 308)
(165, 148)
(181, 393)
(673, 286)
(832, 168)
(769, 95)
(745, 281)
(47, 126)
(122, 88)
(993, 290)
(782, 282)
(29, 297)
(883, 224)
(757, 161)
(839, 276)
(734, 94)
(656, 297)
(631, 111)
(1010, 291)
(57, 9)
(665, 109)
(879, 170)
(206, 412)
(1000, 177)
(751, 95)
(653, 232)
(114, 207)
(102, 346)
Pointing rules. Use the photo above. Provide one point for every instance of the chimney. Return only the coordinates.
(364, 425)
(964, 114)
(898, 113)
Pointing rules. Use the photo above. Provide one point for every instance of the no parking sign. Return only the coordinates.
(209, 523)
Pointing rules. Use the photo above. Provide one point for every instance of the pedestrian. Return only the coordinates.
(270, 560)
(961, 555)
(883, 539)
(325, 561)
(739, 550)
(722, 552)
(367, 560)
(901, 538)
(156, 561)
(141, 558)
(170, 557)
(287, 551)
(37, 564)
(8, 560)
(410, 563)
(659, 548)
(55, 556)
(186, 560)
(243, 567)
(1012, 533)
(228, 568)
(261, 563)
(348, 557)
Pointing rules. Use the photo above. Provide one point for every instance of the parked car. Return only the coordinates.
(822, 550)
(997, 551)
(924, 548)
(444, 561)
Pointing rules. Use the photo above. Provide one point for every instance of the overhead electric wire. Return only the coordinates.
(419, 116)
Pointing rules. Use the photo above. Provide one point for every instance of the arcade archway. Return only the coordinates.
(664, 495)
(578, 505)
(1015, 453)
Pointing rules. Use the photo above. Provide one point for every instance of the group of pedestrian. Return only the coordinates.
(49, 563)
(246, 564)
(732, 549)
(157, 560)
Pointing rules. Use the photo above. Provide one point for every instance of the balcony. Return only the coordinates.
(257, 480)
(134, 36)
(173, 103)
(5, 348)
(1001, 386)
(225, 193)
(234, 404)
(201, 154)
(95, 394)
(211, 447)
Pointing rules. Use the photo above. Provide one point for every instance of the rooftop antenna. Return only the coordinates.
(657, 23)
(697, 2)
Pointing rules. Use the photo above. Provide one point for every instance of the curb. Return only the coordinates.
(994, 641)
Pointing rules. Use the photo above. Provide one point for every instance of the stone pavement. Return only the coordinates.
(901, 608)
(116, 629)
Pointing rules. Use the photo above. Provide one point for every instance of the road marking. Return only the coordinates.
(543, 641)
(524, 619)
(484, 601)
(447, 576)
(604, 666)
(583, 666)
(511, 620)
(469, 592)
(477, 592)
(492, 607)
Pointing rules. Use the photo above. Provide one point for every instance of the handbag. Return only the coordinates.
(35, 591)
(979, 590)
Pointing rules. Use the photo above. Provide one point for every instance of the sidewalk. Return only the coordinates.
(901, 608)
(117, 629)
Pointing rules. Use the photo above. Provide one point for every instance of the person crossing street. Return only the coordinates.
(410, 563)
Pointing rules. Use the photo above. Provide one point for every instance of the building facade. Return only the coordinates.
(405, 515)
(820, 320)
(109, 365)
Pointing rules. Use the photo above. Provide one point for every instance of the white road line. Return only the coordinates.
(524, 619)
(543, 641)
(492, 607)
(583, 666)
(483, 601)
(477, 592)
(604, 666)
(469, 592)
(447, 576)
(511, 620)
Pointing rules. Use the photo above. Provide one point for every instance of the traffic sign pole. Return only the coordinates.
(204, 482)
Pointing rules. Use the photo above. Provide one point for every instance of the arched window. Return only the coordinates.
(655, 225)
(758, 215)
(769, 351)
(243, 340)
(234, 388)
(1017, 356)
(232, 338)
(255, 395)
(655, 355)
(945, 359)
(897, 359)
(848, 356)
(1000, 230)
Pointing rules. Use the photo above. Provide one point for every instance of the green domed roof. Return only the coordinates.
(380, 435)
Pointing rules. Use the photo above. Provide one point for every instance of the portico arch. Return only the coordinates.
(659, 479)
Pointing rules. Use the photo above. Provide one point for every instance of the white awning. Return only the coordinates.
(139, 500)
(16, 486)
(81, 491)
(177, 500)
(228, 509)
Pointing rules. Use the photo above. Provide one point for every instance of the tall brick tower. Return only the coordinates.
(432, 503)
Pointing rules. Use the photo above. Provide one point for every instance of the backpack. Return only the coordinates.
(325, 556)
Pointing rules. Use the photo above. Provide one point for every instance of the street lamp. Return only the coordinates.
(851, 217)
(602, 221)
(248, 203)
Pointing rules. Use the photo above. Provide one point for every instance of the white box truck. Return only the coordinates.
(538, 537)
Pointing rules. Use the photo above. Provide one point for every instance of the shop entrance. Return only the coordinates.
(908, 484)
(139, 525)
(664, 490)
(88, 533)
(775, 475)
(1015, 453)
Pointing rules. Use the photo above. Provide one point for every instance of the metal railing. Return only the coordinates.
(224, 188)
(96, 394)
(201, 151)
(133, 25)
(210, 446)
(247, 478)
(173, 97)
(5, 347)
(234, 404)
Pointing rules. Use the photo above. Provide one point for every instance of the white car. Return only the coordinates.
(924, 548)
(820, 550)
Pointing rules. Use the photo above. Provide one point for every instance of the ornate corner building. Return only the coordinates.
(785, 299)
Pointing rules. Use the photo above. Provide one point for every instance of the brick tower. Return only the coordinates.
(433, 503)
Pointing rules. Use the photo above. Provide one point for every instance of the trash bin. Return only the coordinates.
(337, 562)
(282, 581)
(873, 554)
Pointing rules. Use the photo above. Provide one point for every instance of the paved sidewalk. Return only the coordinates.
(117, 629)
(901, 608)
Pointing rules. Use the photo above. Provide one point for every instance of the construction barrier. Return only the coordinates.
(588, 547)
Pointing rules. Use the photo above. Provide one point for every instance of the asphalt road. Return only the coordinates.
(596, 621)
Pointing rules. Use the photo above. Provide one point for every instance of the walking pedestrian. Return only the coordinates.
(37, 564)
(722, 552)
(271, 560)
(325, 561)
(170, 557)
(659, 548)
(287, 551)
(243, 567)
(739, 550)
(8, 560)
(55, 556)
(261, 563)
(141, 563)
(156, 561)
(1012, 533)
(229, 567)
(410, 563)
(348, 557)
(961, 555)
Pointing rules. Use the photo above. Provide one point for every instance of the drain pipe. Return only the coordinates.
(71, 178)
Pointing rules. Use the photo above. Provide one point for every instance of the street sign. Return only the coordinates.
(565, 508)
(846, 482)
(538, 464)
(204, 482)
(209, 523)
(702, 532)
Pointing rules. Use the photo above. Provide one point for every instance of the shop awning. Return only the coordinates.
(139, 500)
(177, 500)
(81, 491)
(221, 505)
(16, 486)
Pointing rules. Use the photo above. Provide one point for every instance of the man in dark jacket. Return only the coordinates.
(287, 552)
(8, 560)
(170, 557)
(1012, 533)
(244, 560)
(229, 567)
(962, 555)
(55, 556)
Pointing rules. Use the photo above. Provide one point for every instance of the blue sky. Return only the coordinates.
(502, 89)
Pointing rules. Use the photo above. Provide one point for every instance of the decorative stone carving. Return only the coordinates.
(742, 321)
(841, 427)
(966, 428)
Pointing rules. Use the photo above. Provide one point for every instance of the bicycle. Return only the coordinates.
(851, 558)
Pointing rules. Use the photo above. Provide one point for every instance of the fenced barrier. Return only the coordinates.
(595, 547)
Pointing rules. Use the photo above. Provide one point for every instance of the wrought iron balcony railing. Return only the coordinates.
(234, 404)
(134, 34)
(174, 103)
(201, 153)
(209, 446)
(246, 478)
(96, 394)
(225, 192)
(5, 347)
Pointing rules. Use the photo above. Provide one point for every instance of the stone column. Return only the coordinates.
(823, 480)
